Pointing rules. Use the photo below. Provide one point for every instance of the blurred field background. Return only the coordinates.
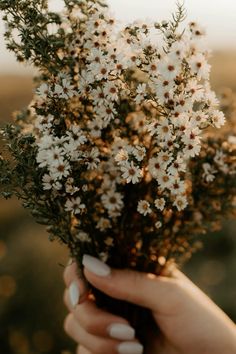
(31, 287)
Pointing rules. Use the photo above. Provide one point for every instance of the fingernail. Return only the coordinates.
(70, 261)
(96, 266)
(121, 331)
(74, 293)
(130, 348)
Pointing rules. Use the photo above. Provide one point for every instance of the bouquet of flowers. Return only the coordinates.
(118, 152)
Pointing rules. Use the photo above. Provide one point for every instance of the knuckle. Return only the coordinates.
(177, 297)
(89, 324)
(177, 285)
(68, 323)
(69, 273)
(101, 349)
(81, 350)
(136, 281)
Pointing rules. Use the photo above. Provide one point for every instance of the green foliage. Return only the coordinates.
(178, 17)
(19, 176)
(27, 32)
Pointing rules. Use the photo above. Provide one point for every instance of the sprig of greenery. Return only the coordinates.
(27, 32)
(178, 17)
(19, 177)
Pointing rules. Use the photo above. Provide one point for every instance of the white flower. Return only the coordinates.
(199, 66)
(65, 90)
(122, 157)
(178, 50)
(92, 159)
(44, 123)
(144, 207)
(152, 68)
(196, 30)
(179, 165)
(220, 159)
(139, 152)
(131, 172)
(101, 71)
(77, 135)
(158, 224)
(169, 69)
(192, 135)
(165, 180)
(112, 200)
(164, 130)
(42, 158)
(98, 96)
(183, 103)
(192, 149)
(103, 256)
(160, 203)
(109, 241)
(218, 119)
(83, 237)
(103, 224)
(119, 144)
(141, 93)
(178, 187)
(210, 96)
(155, 168)
(70, 188)
(199, 119)
(46, 142)
(106, 112)
(209, 172)
(74, 205)
(181, 121)
(47, 182)
(111, 91)
(195, 90)
(54, 155)
(84, 81)
(163, 88)
(96, 54)
(180, 203)
(43, 91)
(165, 158)
(96, 127)
(61, 168)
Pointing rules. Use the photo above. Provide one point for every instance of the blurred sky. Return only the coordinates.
(217, 16)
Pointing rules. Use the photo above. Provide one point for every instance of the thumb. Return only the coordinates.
(143, 289)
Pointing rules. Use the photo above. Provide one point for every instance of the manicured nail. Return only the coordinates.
(130, 348)
(96, 266)
(121, 331)
(74, 293)
(70, 261)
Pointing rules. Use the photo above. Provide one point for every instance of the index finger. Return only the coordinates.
(73, 280)
(70, 272)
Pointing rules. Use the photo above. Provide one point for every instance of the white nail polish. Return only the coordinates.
(130, 348)
(121, 331)
(74, 293)
(96, 266)
(70, 261)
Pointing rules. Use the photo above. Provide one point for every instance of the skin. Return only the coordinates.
(189, 321)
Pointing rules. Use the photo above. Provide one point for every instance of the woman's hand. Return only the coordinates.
(189, 321)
